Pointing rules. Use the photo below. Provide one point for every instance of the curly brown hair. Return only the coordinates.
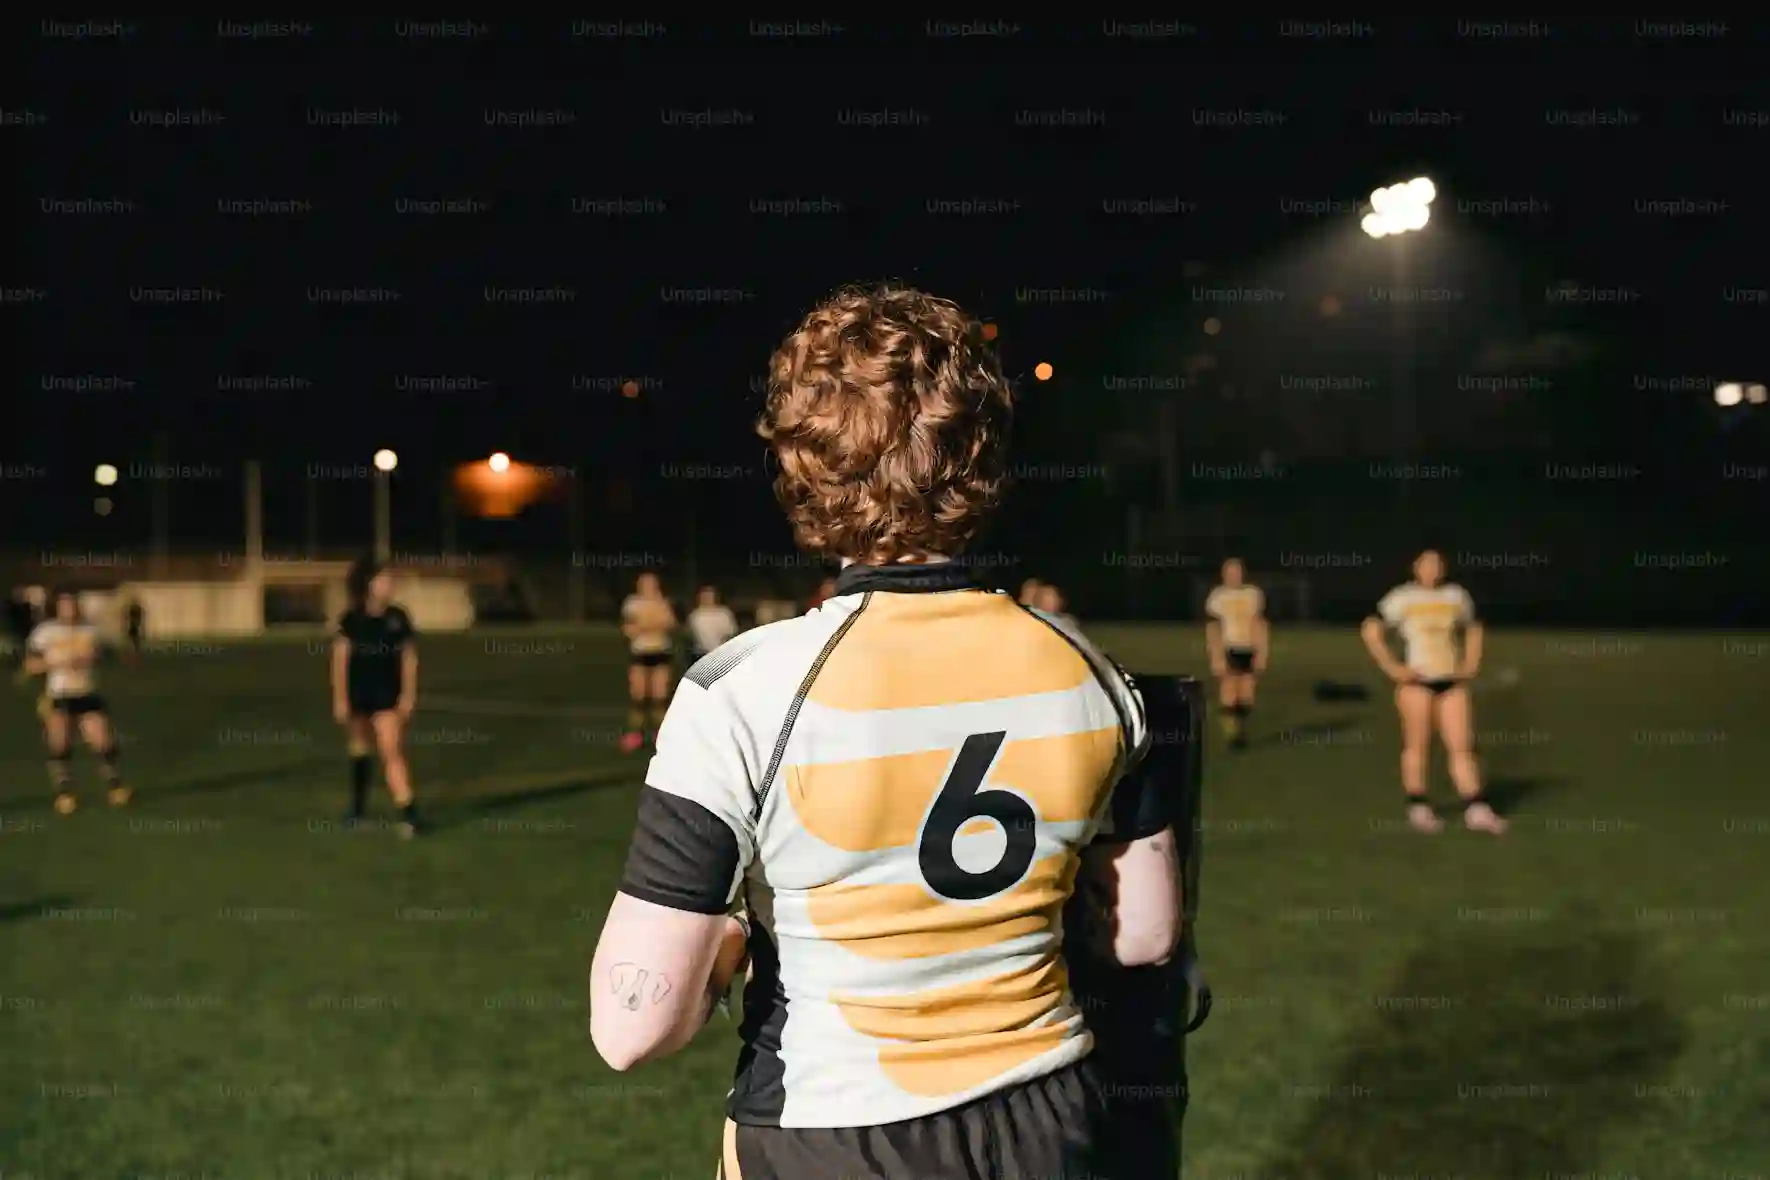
(889, 419)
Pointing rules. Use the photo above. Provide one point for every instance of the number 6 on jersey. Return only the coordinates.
(959, 802)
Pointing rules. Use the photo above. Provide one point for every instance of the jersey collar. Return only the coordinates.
(906, 578)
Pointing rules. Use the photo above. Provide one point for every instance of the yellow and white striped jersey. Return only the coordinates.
(1237, 611)
(898, 785)
(1430, 621)
(654, 624)
(71, 650)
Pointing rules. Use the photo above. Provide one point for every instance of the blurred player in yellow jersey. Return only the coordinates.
(65, 650)
(1238, 638)
(1441, 653)
(649, 623)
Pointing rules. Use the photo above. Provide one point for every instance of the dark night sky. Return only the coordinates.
(1570, 127)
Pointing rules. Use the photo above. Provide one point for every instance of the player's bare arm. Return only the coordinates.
(1138, 884)
(1262, 642)
(1474, 638)
(1375, 637)
(340, 678)
(408, 697)
(1214, 648)
(652, 979)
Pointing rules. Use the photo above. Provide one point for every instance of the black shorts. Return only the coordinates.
(79, 706)
(366, 700)
(650, 659)
(1240, 661)
(1441, 685)
(1051, 1128)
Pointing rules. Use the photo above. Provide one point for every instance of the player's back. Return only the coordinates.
(948, 754)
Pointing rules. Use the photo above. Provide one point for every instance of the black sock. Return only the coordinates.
(112, 775)
(1418, 801)
(59, 770)
(361, 765)
(409, 811)
(1478, 799)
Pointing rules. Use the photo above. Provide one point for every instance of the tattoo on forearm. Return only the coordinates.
(635, 985)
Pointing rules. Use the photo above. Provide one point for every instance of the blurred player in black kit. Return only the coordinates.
(134, 627)
(1141, 1015)
(375, 689)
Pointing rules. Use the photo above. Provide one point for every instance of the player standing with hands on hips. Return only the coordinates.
(1432, 687)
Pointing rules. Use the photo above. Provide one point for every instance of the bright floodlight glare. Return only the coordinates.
(1384, 199)
(1412, 217)
(1376, 225)
(1729, 394)
(499, 462)
(386, 460)
(1421, 191)
(105, 475)
(1757, 394)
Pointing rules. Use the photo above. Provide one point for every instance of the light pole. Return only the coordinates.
(385, 462)
(1396, 211)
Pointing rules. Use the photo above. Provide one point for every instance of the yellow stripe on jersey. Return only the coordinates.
(948, 1040)
(908, 922)
(969, 647)
(872, 804)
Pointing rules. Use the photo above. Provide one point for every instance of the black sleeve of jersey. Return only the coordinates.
(1151, 795)
(408, 632)
(347, 625)
(1144, 801)
(683, 856)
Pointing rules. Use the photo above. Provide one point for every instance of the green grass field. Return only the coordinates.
(219, 983)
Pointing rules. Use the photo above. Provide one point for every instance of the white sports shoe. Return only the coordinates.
(1424, 819)
(1482, 818)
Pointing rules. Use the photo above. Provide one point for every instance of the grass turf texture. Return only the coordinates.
(218, 982)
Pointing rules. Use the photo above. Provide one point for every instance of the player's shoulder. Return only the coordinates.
(1071, 632)
(398, 618)
(1108, 673)
(772, 655)
(45, 630)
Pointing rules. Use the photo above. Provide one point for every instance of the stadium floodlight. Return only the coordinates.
(499, 462)
(385, 461)
(1400, 208)
(1756, 394)
(1729, 393)
(105, 475)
